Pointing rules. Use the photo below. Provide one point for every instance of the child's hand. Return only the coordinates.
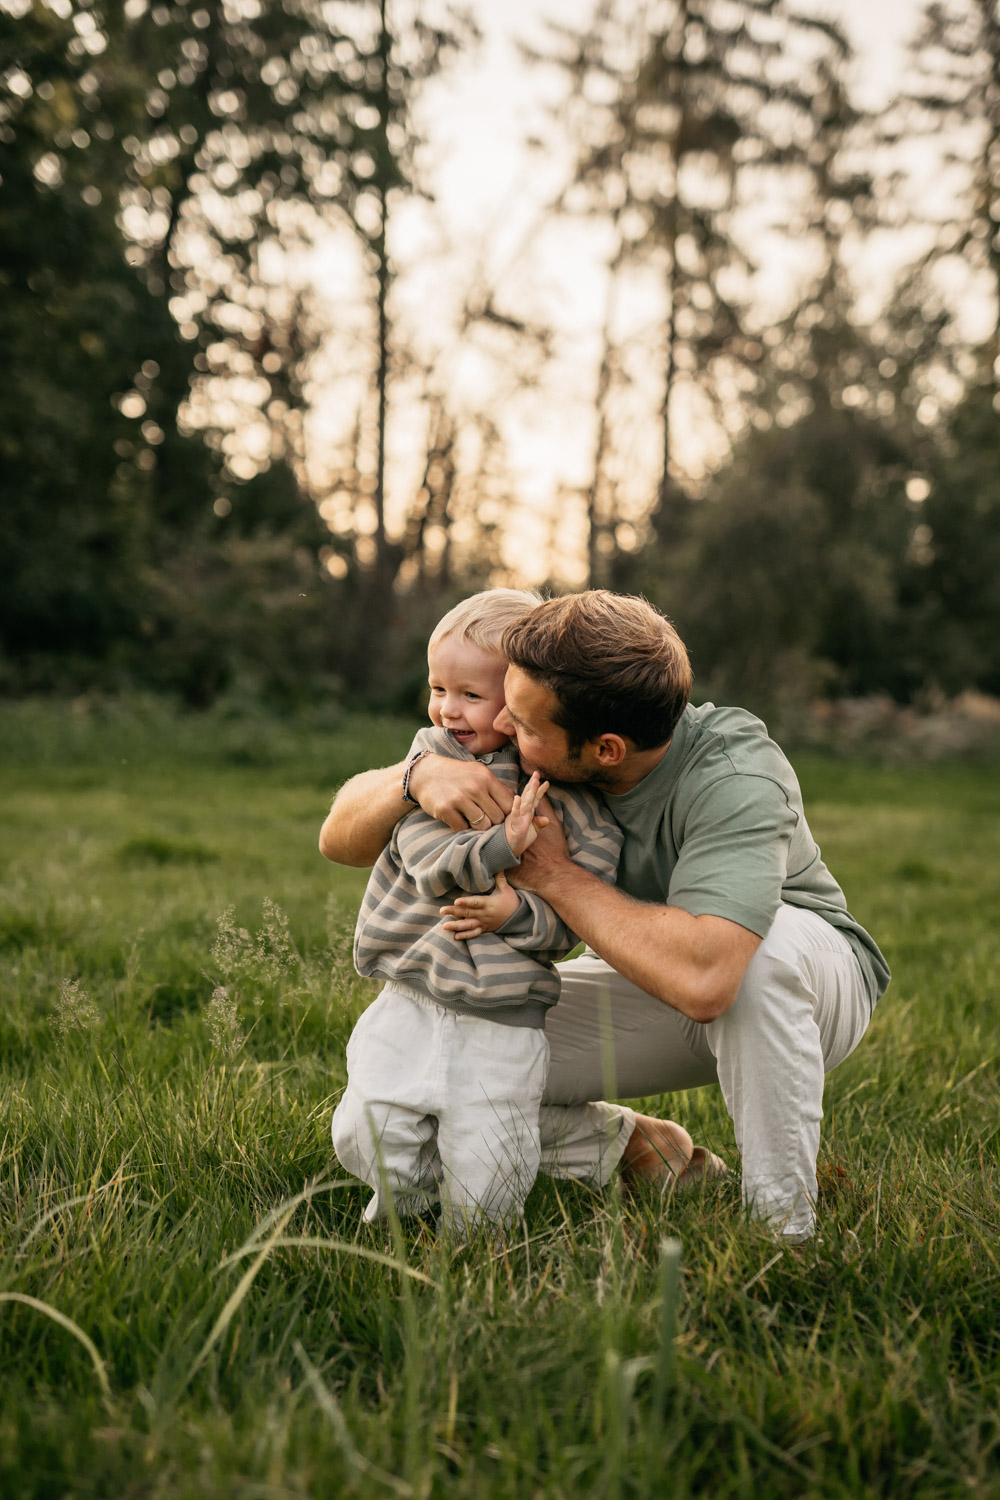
(471, 916)
(520, 823)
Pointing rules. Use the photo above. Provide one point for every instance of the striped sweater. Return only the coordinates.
(508, 975)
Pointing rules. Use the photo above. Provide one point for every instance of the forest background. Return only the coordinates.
(264, 414)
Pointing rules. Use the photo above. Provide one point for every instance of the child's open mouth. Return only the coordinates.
(463, 734)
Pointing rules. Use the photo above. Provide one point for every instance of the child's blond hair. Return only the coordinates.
(483, 618)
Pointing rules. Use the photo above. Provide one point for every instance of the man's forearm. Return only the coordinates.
(693, 964)
(364, 813)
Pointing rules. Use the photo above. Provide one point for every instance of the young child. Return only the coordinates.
(446, 1068)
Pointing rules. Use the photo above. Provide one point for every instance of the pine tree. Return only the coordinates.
(950, 112)
(689, 115)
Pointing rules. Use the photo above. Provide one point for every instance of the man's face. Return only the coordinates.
(541, 744)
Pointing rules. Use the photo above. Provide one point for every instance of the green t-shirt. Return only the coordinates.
(718, 828)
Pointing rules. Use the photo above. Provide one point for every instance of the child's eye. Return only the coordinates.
(474, 696)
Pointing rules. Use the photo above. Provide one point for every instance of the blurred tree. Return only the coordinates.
(269, 124)
(846, 546)
(948, 115)
(78, 437)
(689, 116)
(789, 582)
(825, 350)
(166, 170)
(953, 561)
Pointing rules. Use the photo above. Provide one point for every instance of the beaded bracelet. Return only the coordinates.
(407, 794)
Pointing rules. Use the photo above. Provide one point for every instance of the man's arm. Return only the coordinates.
(693, 964)
(364, 813)
(368, 807)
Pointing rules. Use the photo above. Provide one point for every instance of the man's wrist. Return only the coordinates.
(407, 774)
(567, 880)
(554, 879)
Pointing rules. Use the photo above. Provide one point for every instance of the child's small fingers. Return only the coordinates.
(462, 927)
(538, 792)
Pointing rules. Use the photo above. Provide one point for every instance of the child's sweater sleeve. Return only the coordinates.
(437, 860)
(535, 926)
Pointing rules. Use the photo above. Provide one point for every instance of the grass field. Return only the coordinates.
(188, 1307)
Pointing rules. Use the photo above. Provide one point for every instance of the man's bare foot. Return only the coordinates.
(662, 1153)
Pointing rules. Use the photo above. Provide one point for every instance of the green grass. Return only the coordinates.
(188, 1306)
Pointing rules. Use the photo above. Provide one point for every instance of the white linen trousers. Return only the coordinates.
(441, 1106)
(802, 1008)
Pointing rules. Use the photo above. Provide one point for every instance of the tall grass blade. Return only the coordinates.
(413, 1363)
(233, 1302)
(341, 1247)
(330, 1407)
(100, 1370)
(670, 1276)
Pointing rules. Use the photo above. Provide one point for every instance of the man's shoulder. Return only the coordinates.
(728, 759)
(726, 740)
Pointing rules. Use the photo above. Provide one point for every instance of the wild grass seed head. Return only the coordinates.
(268, 956)
(223, 1020)
(233, 947)
(274, 952)
(76, 1012)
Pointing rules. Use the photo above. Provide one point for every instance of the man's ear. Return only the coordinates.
(610, 750)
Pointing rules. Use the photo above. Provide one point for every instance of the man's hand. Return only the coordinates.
(547, 858)
(461, 794)
(471, 916)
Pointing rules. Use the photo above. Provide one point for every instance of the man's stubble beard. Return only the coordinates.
(570, 774)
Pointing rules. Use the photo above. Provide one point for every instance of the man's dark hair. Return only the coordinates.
(614, 664)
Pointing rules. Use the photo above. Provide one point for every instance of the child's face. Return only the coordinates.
(466, 692)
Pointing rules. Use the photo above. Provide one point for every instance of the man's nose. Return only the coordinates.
(503, 723)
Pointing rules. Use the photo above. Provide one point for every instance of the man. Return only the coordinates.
(726, 954)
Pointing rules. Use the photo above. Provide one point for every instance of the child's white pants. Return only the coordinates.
(440, 1105)
(802, 1008)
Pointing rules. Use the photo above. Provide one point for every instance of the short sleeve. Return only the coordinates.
(733, 852)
